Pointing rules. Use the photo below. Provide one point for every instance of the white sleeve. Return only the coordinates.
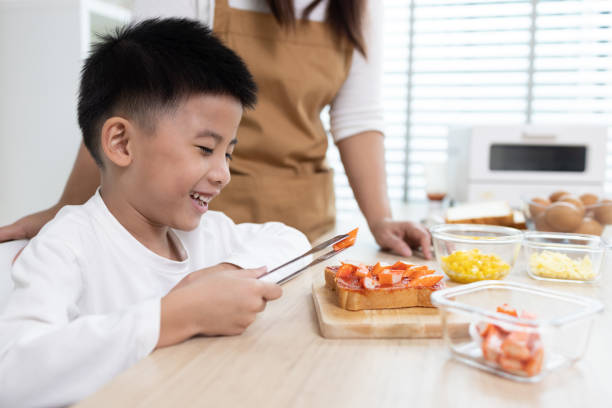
(358, 105)
(253, 245)
(50, 355)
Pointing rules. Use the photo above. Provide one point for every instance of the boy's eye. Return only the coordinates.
(208, 151)
(205, 149)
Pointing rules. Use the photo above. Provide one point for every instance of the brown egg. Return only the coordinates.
(603, 212)
(563, 217)
(557, 195)
(541, 224)
(570, 198)
(537, 206)
(589, 226)
(589, 199)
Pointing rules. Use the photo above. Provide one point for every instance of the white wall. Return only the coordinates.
(39, 73)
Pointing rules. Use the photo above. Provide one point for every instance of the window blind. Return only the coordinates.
(572, 75)
(465, 62)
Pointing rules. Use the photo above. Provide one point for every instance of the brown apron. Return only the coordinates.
(279, 172)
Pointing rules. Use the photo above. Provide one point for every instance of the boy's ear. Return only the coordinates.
(116, 141)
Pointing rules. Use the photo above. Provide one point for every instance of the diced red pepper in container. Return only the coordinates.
(516, 351)
(486, 330)
(348, 241)
(528, 316)
(507, 310)
(515, 345)
(534, 365)
(491, 345)
(510, 364)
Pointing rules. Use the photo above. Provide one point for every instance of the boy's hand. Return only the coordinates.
(195, 275)
(215, 303)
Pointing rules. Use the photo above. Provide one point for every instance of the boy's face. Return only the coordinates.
(179, 168)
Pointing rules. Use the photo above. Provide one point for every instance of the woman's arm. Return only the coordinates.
(369, 183)
(82, 183)
(363, 157)
(356, 124)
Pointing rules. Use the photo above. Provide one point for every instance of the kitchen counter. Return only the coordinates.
(282, 361)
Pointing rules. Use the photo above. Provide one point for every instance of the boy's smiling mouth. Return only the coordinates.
(201, 200)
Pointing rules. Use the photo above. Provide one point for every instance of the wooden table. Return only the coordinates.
(282, 361)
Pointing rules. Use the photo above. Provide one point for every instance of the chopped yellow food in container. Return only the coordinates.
(550, 264)
(473, 265)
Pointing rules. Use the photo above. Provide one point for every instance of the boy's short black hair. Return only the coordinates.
(152, 65)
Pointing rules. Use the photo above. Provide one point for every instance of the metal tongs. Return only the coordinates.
(314, 249)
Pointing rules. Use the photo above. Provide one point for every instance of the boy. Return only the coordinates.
(138, 266)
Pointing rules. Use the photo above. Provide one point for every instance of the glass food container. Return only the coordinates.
(470, 252)
(552, 329)
(564, 257)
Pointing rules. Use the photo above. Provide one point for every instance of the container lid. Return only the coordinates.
(468, 233)
(569, 307)
(564, 241)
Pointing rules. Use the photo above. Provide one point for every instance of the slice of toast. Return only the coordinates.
(488, 212)
(330, 277)
(383, 298)
(351, 297)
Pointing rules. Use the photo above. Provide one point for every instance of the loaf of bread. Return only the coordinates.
(408, 290)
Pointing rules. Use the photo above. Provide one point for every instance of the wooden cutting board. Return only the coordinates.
(413, 322)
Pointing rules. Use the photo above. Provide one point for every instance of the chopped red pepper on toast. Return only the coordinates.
(348, 241)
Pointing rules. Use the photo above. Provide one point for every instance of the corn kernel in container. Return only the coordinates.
(472, 265)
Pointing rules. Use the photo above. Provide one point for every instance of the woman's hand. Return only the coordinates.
(28, 226)
(82, 184)
(401, 237)
(369, 183)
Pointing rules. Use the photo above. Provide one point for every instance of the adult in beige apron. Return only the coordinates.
(279, 172)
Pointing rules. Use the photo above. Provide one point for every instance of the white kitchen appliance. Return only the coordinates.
(506, 162)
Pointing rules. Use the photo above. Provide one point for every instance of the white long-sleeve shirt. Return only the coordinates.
(357, 106)
(87, 296)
